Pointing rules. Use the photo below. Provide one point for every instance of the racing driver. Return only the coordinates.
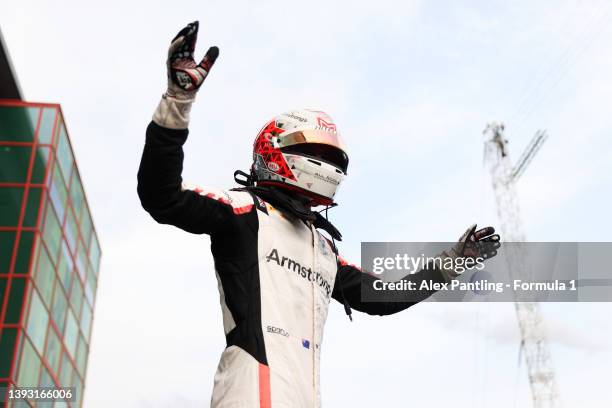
(275, 257)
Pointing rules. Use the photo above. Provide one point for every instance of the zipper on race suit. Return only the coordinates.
(313, 231)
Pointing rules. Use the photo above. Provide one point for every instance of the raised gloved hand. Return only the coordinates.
(184, 78)
(472, 245)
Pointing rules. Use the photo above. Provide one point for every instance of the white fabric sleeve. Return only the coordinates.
(173, 113)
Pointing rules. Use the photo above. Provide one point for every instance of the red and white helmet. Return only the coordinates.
(301, 151)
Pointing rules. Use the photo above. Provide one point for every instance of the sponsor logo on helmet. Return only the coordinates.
(273, 166)
(327, 179)
(324, 125)
(296, 117)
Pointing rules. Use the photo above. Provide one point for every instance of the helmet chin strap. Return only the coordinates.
(246, 180)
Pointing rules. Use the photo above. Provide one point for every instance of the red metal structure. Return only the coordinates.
(49, 253)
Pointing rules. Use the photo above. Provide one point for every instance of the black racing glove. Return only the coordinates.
(482, 243)
(184, 78)
(479, 244)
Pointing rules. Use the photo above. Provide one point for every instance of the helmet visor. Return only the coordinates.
(313, 136)
(322, 152)
(318, 144)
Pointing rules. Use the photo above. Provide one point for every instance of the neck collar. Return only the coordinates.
(295, 207)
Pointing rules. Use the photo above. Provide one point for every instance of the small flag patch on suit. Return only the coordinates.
(306, 343)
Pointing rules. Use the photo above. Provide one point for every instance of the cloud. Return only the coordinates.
(498, 323)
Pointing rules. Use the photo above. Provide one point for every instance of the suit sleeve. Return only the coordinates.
(163, 194)
(352, 284)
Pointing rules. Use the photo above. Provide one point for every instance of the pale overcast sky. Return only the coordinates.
(411, 85)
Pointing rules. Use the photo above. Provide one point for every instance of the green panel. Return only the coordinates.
(71, 333)
(64, 154)
(86, 226)
(15, 301)
(14, 163)
(45, 131)
(82, 353)
(71, 231)
(4, 387)
(7, 243)
(29, 367)
(30, 218)
(54, 349)
(77, 195)
(52, 233)
(79, 393)
(67, 370)
(60, 305)
(40, 165)
(20, 403)
(10, 206)
(76, 297)
(2, 287)
(45, 277)
(59, 128)
(90, 286)
(81, 260)
(37, 246)
(45, 381)
(7, 350)
(78, 385)
(62, 404)
(94, 254)
(58, 192)
(24, 253)
(38, 318)
(17, 124)
(86, 321)
(65, 267)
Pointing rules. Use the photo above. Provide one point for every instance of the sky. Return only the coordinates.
(411, 86)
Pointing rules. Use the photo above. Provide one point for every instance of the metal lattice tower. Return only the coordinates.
(534, 345)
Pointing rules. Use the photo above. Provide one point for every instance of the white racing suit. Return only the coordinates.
(276, 276)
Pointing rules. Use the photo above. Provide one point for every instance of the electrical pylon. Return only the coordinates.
(534, 344)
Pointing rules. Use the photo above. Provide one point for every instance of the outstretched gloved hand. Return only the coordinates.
(184, 78)
(473, 244)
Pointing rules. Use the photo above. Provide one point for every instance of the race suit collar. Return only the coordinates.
(285, 202)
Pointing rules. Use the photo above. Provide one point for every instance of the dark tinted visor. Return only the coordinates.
(324, 152)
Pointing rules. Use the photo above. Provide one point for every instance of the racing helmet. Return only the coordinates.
(301, 151)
